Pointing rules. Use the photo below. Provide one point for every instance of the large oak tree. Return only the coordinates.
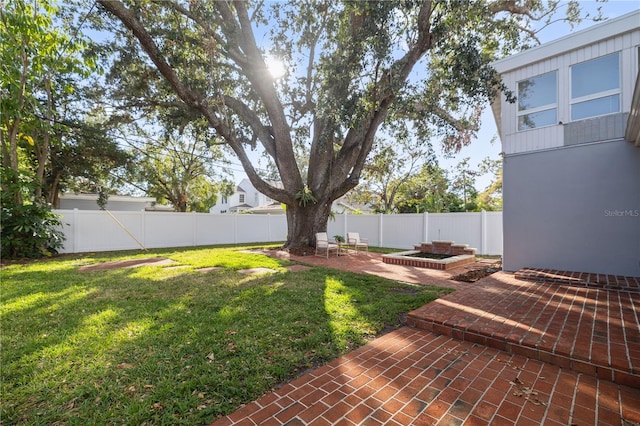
(351, 67)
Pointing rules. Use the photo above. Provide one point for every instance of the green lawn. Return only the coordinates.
(154, 345)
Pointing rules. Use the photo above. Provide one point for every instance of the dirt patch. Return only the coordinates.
(477, 274)
(302, 251)
(131, 263)
(388, 328)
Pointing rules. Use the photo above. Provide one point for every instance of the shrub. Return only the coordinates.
(29, 227)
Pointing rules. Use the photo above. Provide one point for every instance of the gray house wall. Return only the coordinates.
(67, 204)
(575, 208)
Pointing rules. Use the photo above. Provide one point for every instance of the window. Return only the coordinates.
(242, 198)
(595, 87)
(538, 101)
(224, 199)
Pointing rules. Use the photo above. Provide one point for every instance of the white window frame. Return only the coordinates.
(241, 198)
(597, 95)
(537, 109)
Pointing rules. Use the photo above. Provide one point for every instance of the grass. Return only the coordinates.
(160, 345)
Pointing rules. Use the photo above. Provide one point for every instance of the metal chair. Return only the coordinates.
(355, 242)
(323, 245)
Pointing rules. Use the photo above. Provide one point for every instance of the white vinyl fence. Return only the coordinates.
(89, 230)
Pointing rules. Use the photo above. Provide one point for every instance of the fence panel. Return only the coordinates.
(69, 229)
(277, 227)
(463, 228)
(402, 231)
(98, 231)
(169, 229)
(494, 233)
(366, 225)
(252, 229)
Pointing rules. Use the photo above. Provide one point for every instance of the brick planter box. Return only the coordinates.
(461, 255)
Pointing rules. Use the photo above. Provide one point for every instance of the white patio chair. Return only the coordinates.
(355, 242)
(324, 246)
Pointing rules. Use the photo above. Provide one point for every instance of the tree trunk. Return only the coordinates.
(303, 223)
(182, 203)
(42, 154)
(53, 197)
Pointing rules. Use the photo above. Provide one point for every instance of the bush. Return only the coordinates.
(29, 228)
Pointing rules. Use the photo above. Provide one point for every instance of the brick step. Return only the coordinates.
(587, 330)
(603, 281)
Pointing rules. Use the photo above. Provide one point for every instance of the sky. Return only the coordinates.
(481, 147)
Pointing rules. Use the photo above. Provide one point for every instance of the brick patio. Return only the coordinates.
(499, 351)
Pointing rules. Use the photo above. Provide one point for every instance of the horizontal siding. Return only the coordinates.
(552, 137)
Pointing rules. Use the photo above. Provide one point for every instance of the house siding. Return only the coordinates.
(553, 136)
(571, 190)
(574, 208)
(596, 129)
(245, 197)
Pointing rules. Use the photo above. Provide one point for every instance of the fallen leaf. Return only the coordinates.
(124, 365)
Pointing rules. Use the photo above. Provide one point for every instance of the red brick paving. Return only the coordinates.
(589, 330)
(523, 353)
(607, 282)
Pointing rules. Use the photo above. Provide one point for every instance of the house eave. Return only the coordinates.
(632, 132)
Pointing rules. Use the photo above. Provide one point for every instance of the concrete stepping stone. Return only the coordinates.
(255, 271)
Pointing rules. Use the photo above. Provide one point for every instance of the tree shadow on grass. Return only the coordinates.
(178, 347)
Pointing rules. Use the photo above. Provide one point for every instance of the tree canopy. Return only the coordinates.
(48, 126)
(176, 166)
(351, 67)
(47, 137)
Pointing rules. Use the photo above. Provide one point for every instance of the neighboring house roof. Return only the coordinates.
(274, 208)
(240, 206)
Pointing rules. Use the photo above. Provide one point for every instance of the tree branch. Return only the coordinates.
(253, 121)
